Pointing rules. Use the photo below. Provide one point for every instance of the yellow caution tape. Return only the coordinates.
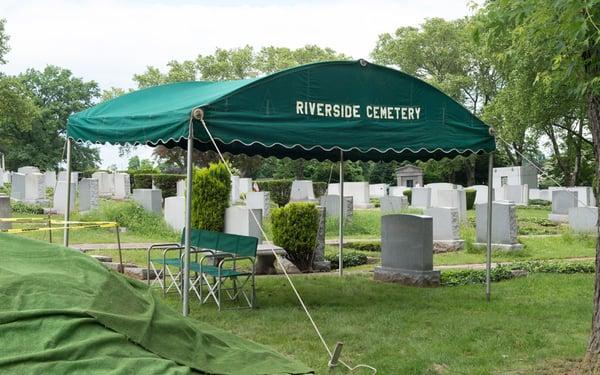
(25, 220)
(45, 229)
(22, 219)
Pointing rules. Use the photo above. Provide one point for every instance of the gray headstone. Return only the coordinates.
(481, 193)
(562, 201)
(235, 189)
(35, 188)
(583, 219)
(407, 250)
(106, 183)
(239, 220)
(320, 247)
(62, 176)
(302, 191)
(181, 186)
(435, 188)
(150, 199)
(122, 186)
(50, 179)
(17, 190)
(28, 169)
(378, 190)
(88, 194)
(585, 194)
(519, 194)
(175, 212)
(245, 185)
(332, 205)
(456, 198)
(259, 200)
(5, 211)
(446, 223)
(421, 197)
(504, 225)
(359, 192)
(60, 197)
(392, 205)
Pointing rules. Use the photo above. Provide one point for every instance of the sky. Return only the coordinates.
(109, 41)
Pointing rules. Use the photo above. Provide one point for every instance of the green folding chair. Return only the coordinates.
(216, 269)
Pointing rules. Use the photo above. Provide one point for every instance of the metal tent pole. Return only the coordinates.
(341, 226)
(68, 203)
(188, 221)
(488, 255)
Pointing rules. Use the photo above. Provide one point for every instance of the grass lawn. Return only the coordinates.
(404, 330)
(559, 247)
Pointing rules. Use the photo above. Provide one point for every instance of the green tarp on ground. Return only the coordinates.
(62, 312)
(369, 112)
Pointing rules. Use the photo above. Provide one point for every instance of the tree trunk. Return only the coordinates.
(578, 152)
(591, 362)
(563, 167)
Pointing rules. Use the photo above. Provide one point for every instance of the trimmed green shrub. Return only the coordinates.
(349, 259)
(168, 183)
(539, 202)
(26, 208)
(470, 193)
(319, 188)
(5, 189)
(279, 190)
(211, 189)
(142, 181)
(466, 277)
(537, 266)
(408, 194)
(364, 246)
(295, 229)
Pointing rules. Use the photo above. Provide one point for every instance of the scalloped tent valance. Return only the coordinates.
(369, 112)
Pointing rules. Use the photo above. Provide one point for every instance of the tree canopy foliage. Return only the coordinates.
(34, 107)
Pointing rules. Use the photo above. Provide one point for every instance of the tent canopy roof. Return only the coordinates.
(368, 111)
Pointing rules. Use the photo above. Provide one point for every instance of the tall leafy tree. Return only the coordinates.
(4, 47)
(227, 64)
(58, 94)
(444, 54)
(566, 33)
(18, 111)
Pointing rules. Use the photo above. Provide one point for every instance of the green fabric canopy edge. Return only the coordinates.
(225, 89)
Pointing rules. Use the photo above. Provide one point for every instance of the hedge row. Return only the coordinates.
(165, 182)
(349, 259)
(279, 190)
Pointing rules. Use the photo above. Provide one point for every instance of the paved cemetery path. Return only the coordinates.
(109, 246)
(144, 245)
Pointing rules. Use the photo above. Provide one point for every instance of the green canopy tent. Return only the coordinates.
(351, 110)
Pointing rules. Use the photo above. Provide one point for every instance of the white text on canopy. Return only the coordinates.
(355, 111)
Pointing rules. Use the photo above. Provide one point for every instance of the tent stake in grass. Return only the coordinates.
(337, 352)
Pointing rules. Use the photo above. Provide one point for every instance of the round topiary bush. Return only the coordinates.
(295, 229)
